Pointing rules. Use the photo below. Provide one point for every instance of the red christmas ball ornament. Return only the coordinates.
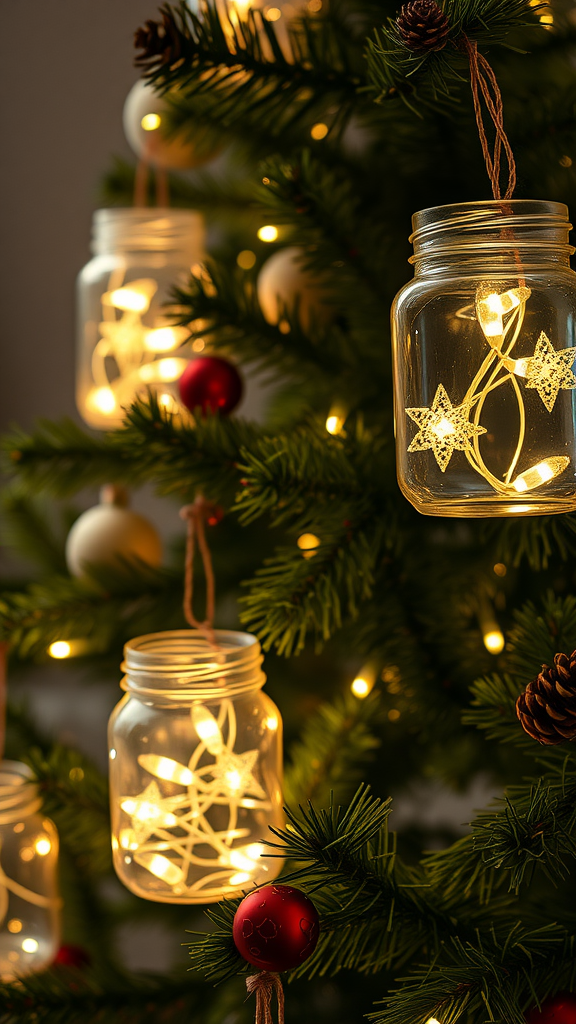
(276, 928)
(72, 956)
(561, 1009)
(210, 383)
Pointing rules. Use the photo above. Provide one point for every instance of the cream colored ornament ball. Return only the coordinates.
(282, 279)
(145, 120)
(108, 532)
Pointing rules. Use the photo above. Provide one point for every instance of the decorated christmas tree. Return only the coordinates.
(409, 601)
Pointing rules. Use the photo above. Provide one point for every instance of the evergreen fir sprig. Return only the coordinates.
(420, 78)
(334, 746)
(62, 458)
(230, 315)
(241, 69)
(152, 446)
(495, 980)
(535, 540)
(289, 477)
(292, 597)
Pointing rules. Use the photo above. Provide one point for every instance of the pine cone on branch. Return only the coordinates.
(547, 708)
(423, 26)
(160, 41)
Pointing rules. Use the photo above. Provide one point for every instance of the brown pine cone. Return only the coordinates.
(547, 708)
(160, 41)
(423, 26)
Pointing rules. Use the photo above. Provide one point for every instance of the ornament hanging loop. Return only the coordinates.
(483, 80)
(195, 516)
(264, 985)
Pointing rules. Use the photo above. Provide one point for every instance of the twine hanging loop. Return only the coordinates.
(264, 985)
(483, 81)
(196, 515)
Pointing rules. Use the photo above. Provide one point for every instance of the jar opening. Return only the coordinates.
(493, 226)
(181, 665)
(18, 791)
(148, 229)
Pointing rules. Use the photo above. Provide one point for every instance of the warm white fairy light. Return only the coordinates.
(494, 641)
(268, 233)
(363, 682)
(125, 359)
(60, 649)
(445, 427)
(169, 833)
(150, 122)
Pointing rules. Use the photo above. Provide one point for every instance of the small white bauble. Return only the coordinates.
(110, 531)
(282, 279)
(145, 120)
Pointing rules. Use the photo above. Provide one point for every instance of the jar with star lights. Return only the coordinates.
(128, 343)
(484, 343)
(195, 768)
(29, 900)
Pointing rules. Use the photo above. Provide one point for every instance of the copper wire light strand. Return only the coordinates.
(264, 985)
(195, 516)
(483, 80)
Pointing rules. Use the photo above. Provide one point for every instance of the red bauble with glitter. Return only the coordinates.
(276, 928)
(210, 383)
(72, 956)
(561, 1009)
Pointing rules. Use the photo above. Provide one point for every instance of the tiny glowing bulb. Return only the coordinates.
(233, 780)
(166, 768)
(43, 846)
(308, 542)
(207, 728)
(161, 867)
(494, 641)
(102, 400)
(14, 925)
(129, 300)
(150, 122)
(60, 649)
(444, 428)
(319, 131)
(128, 839)
(432, 1020)
(169, 369)
(273, 14)
(161, 339)
(167, 402)
(272, 723)
(541, 473)
(268, 233)
(334, 424)
(360, 687)
(29, 945)
(239, 878)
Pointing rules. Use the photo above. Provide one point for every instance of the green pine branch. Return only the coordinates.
(332, 750)
(430, 77)
(229, 69)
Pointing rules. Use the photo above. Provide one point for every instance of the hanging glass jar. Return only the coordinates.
(126, 342)
(484, 345)
(195, 768)
(29, 902)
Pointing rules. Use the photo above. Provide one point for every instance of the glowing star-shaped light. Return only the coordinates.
(151, 811)
(549, 370)
(234, 773)
(444, 428)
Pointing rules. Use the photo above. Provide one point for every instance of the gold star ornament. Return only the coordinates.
(444, 428)
(548, 370)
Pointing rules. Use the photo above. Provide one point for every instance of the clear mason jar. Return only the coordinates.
(195, 768)
(29, 902)
(126, 342)
(483, 345)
